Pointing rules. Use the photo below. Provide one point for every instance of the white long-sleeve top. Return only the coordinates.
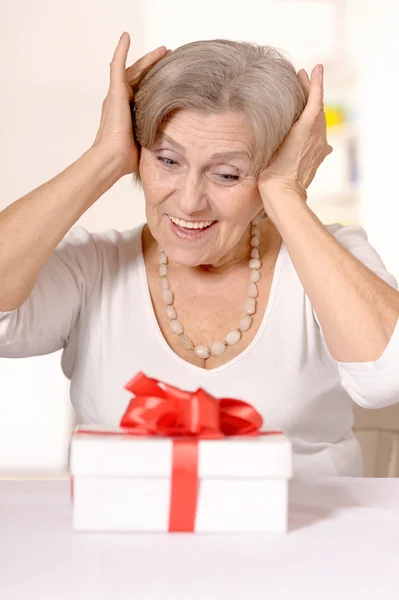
(91, 299)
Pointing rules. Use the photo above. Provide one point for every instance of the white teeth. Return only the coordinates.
(190, 224)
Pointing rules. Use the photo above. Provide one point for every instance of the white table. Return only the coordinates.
(343, 543)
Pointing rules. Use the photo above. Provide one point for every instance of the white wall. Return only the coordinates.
(54, 62)
(374, 47)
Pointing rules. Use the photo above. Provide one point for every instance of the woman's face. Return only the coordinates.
(200, 194)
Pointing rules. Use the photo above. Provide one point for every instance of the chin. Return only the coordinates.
(186, 257)
(186, 248)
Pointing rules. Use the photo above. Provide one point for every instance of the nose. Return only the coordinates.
(192, 196)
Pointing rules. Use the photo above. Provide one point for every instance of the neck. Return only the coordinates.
(235, 259)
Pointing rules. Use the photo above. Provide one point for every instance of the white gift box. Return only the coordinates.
(123, 482)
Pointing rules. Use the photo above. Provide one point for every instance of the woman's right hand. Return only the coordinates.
(116, 129)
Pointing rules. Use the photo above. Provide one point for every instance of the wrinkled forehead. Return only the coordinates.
(225, 132)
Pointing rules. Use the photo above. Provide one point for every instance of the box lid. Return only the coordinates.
(105, 454)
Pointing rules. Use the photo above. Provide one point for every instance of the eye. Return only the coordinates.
(227, 177)
(167, 161)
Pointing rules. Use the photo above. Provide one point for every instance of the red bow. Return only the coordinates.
(169, 411)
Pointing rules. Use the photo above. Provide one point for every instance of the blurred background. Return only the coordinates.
(55, 63)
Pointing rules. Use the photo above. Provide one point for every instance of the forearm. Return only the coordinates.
(356, 309)
(31, 227)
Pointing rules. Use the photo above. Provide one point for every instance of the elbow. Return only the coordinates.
(7, 307)
(9, 302)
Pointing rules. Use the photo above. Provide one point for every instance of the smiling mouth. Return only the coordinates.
(197, 225)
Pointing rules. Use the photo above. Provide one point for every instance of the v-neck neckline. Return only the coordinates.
(155, 325)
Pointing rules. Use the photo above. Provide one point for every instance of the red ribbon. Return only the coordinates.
(188, 417)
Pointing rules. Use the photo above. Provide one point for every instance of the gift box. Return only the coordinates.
(180, 461)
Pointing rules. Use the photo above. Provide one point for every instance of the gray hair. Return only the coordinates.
(218, 76)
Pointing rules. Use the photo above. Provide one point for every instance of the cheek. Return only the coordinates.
(241, 205)
(153, 185)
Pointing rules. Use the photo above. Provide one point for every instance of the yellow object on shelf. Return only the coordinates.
(335, 115)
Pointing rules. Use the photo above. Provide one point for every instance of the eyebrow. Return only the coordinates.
(181, 148)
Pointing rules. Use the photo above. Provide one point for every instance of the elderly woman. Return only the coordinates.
(233, 284)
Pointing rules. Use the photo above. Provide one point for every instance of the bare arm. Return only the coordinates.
(32, 227)
(357, 310)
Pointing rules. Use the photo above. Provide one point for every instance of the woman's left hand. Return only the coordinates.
(303, 149)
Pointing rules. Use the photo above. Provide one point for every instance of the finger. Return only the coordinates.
(304, 82)
(316, 92)
(134, 72)
(149, 58)
(118, 63)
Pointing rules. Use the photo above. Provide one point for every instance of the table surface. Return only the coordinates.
(343, 542)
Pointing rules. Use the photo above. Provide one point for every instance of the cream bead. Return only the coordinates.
(202, 351)
(250, 306)
(170, 311)
(245, 323)
(252, 290)
(254, 263)
(167, 296)
(218, 348)
(233, 337)
(255, 276)
(186, 342)
(176, 327)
